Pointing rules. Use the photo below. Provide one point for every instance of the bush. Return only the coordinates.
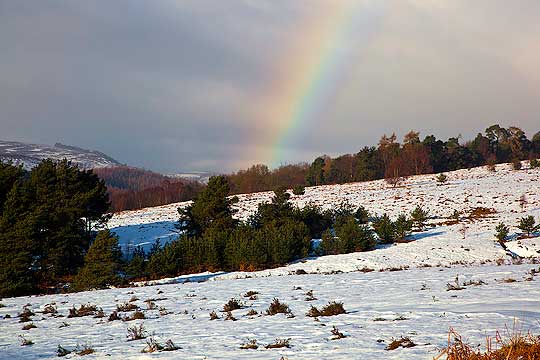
(84, 310)
(516, 164)
(136, 333)
(535, 163)
(442, 178)
(279, 343)
(331, 309)
(232, 304)
(126, 307)
(299, 190)
(277, 307)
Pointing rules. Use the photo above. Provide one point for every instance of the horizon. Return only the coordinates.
(216, 87)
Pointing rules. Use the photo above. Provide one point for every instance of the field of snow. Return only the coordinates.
(380, 306)
(496, 289)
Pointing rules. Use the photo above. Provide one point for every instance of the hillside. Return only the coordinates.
(441, 244)
(29, 155)
(453, 275)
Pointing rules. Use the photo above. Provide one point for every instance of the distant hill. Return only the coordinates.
(29, 155)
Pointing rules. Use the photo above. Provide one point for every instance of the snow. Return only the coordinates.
(382, 303)
(374, 303)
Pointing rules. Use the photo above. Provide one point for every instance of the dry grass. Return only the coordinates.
(403, 342)
(250, 345)
(331, 309)
(514, 346)
(125, 307)
(136, 333)
(279, 343)
(213, 315)
(25, 341)
(137, 315)
(29, 326)
(232, 304)
(84, 310)
(277, 307)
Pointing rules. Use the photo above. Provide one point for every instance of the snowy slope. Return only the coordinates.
(379, 305)
(29, 155)
(440, 245)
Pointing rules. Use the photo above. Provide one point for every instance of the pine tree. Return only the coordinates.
(384, 228)
(211, 207)
(402, 227)
(502, 232)
(419, 217)
(527, 225)
(101, 264)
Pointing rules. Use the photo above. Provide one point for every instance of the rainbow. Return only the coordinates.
(307, 78)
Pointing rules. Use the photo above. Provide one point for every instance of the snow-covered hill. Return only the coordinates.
(471, 241)
(29, 155)
(452, 276)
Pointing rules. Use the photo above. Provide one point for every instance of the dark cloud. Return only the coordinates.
(170, 85)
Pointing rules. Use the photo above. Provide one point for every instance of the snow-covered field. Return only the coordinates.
(380, 303)
(379, 306)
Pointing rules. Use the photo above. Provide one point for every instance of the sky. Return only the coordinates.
(213, 85)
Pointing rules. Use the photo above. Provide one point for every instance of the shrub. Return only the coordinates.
(170, 346)
(403, 342)
(25, 341)
(501, 232)
(50, 309)
(61, 351)
(441, 178)
(277, 307)
(299, 190)
(232, 304)
(137, 315)
(114, 316)
(136, 333)
(516, 164)
(152, 346)
(126, 307)
(252, 312)
(84, 310)
(337, 334)
(279, 343)
(535, 163)
(25, 315)
(230, 316)
(84, 350)
(331, 309)
(29, 326)
(515, 346)
(251, 293)
(250, 345)
(213, 315)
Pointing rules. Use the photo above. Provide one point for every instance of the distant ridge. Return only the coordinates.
(30, 155)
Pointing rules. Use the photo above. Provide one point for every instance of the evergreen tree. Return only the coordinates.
(9, 175)
(419, 217)
(101, 264)
(402, 227)
(502, 232)
(362, 215)
(527, 225)
(211, 207)
(354, 237)
(136, 266)
(384, 228)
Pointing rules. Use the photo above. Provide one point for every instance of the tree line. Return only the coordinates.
(393, 160)
(132, 188)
